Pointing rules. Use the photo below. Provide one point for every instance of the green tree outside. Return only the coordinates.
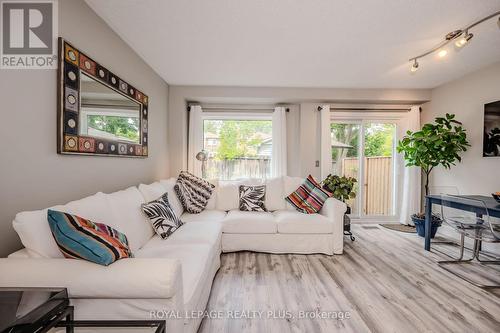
(238, 138)
(125, 127)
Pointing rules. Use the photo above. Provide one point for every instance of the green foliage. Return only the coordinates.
(238, 138)
(341, 187)
(436, 144)
(346, 133)
(125, 127)
(378, 140)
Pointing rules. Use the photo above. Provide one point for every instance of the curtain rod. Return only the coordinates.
(229, 108)
(365, 109)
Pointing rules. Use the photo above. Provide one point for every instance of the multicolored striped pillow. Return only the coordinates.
(309, 197)
(79, 238)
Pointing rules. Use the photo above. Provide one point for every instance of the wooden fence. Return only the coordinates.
(378, 183)
(239, 168)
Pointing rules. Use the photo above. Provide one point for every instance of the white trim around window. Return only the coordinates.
(400, 119)
(196, 143)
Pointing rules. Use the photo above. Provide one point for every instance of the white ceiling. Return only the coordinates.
(302, 43)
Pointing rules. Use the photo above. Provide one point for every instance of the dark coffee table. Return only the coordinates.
(33, 309)
(28, 310)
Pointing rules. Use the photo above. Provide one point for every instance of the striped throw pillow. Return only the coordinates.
(162, 216)
(79, 238)
(193, 192)
(309, 198)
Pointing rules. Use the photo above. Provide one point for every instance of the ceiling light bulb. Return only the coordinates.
(461, 42)
(414, 66)
(464, 39)
(442, 53)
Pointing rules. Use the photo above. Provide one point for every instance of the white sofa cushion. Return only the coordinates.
(129, 278)
(227, 195)
(127, 216)
(190, 233)
(293, 222)
(238, 222)
(23, 254)
(34, 231)
(213, 199)
(174, 201)
(204, 216)
(290, 184)
(194, 260)
(275, 199)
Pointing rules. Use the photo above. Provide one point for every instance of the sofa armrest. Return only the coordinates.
(132, 278)
(334, 210)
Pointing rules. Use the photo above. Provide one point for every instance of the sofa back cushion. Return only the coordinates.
(175, 203)
(275, 197)
(34, 231)
(126, 215)
(227, 195)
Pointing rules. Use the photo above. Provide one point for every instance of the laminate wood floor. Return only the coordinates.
(384, 282)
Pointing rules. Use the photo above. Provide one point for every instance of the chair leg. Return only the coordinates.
(461, 254)
(486, 262)
(460, 260)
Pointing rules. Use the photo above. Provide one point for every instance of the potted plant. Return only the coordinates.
(342, 189)
(436, 144)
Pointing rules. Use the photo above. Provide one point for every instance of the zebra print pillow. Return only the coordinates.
(162, 216)
(252, 198)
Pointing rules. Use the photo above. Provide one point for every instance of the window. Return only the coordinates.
(237, 147)
(364, 149)
(345, 155)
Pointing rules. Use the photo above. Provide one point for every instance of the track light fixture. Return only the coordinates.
(442, 53)
(460, 37)
(464, 39)
(414, 67)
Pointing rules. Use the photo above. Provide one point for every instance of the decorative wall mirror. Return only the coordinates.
(98, 112)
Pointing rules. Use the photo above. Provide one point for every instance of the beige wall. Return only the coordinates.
(32, 175)
(303, 119)
(466, 97)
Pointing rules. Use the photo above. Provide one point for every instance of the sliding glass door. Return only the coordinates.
(365, 150)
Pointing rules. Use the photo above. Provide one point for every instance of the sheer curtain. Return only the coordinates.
(326, 142)
(279, 148)
(195, 138)
(412, 187)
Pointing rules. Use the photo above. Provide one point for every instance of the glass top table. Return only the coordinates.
(40, 310)
(29, 309)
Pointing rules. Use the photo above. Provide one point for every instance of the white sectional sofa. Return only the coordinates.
(172, 276)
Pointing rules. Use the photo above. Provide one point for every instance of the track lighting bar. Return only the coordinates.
(461, 37)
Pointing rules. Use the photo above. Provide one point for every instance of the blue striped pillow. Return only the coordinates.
(79, 238)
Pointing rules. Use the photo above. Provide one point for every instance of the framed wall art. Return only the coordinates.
(491, 134)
